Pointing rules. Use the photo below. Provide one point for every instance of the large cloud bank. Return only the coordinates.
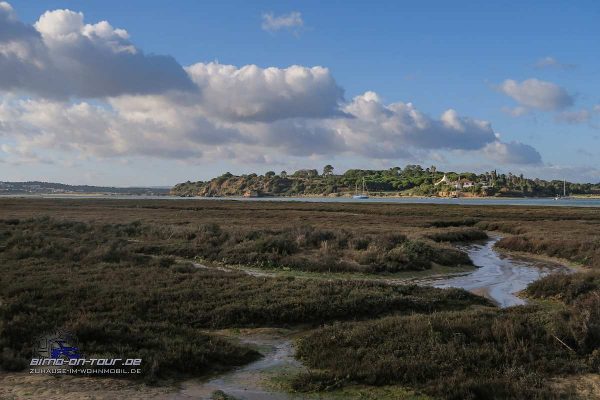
(67, 85)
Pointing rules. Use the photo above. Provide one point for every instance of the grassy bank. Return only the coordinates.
(92, 279)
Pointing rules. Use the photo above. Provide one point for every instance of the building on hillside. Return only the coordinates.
(465, 184)
(459, 184)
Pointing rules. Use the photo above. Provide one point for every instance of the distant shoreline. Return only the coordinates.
(576, 201)
(390, 196)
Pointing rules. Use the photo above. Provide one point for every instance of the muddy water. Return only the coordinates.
(499, 277)
(248, 382)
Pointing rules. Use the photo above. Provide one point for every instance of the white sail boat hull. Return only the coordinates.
(363, 195)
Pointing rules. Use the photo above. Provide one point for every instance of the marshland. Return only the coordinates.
(183, 285)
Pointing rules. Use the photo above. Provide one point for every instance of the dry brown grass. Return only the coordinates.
(566, 232)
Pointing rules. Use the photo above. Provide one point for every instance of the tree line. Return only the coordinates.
(412, 179)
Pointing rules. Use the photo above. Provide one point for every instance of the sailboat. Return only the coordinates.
(362, 195)
(564, 196)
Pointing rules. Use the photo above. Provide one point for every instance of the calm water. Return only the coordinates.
(499, 277)
(433, 200)
(396, 200)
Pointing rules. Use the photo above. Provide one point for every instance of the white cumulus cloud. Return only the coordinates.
(537, 94)
(387, 130)
(266, 94)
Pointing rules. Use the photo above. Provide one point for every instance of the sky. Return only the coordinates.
(151, 93)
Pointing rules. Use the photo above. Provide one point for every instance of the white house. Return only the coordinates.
(465, 184)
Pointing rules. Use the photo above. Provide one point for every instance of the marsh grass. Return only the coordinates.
(477, 354)
(457, 235)
(117, 284)
(93, 280)
(583, 251)
(568, 288)
(307, 248)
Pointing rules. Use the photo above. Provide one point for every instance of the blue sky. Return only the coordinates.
(435, 55)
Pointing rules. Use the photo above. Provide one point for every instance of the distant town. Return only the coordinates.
(412, 180)
(36, 187)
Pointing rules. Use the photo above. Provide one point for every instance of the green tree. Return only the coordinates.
(327, 170)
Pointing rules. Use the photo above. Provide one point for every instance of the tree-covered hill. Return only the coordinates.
(410, 180)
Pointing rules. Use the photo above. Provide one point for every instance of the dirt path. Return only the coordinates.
(250, 382)
(251, 272)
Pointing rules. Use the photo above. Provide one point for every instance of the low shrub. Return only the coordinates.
(565, 287)
(360, 243)
(454, 222)
(477, 354)
(582, 251)
(457, 235)
(514, 228)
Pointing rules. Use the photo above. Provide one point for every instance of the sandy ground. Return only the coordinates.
(17, 386)
(587, 386)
